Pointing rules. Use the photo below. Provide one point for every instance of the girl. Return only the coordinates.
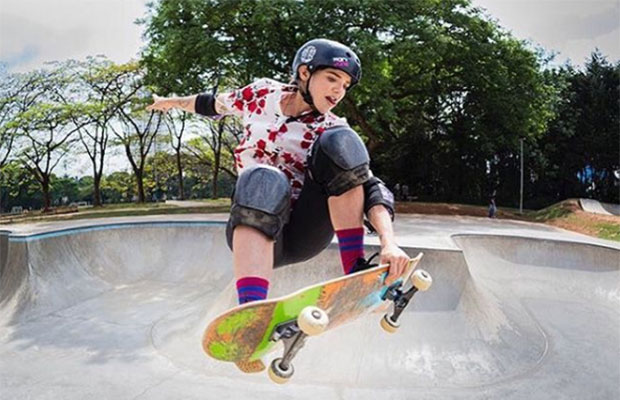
(303, 172)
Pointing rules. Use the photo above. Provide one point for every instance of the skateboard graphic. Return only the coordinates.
(246, 333)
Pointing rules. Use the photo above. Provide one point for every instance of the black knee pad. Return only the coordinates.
(261, 200)
(339, 161)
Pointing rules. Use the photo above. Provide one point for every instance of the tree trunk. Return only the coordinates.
(215, 174)
(47, 201)
(140, 182)
(180, 170)
(97, 191)
(216, 171)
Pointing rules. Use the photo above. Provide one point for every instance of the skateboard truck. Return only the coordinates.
(293, 339)
(311, 321)
(421, 281)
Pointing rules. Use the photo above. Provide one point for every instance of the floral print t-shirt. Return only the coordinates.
(270, 137)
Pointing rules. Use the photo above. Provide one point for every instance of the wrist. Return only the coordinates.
(387, 239)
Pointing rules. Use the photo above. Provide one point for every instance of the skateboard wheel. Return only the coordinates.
(312, 320)
(421, 279)
(388, 325)
(279, 375)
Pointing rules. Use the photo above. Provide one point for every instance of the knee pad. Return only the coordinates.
(261, 200)
(339, 161)
(375, 193)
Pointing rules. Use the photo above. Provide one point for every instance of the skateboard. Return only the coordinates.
(246, 333)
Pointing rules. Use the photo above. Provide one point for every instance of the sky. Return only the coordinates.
(573, 28)
(35, 31)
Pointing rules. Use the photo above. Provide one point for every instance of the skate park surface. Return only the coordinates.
(116, 309)
(596, 207)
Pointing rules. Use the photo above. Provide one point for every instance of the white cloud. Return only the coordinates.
(33, 32)
(579, 50)
(573, 28)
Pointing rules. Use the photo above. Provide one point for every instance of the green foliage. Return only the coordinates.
(578, 154)
(18, 188)
(444, 93)
(118, 187)
(63, 189)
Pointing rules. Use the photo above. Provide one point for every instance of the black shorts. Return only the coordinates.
(308, 231)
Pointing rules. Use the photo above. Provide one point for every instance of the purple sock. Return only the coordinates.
(252, 288)
(351, 242)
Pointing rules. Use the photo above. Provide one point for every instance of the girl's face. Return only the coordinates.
(328, 87)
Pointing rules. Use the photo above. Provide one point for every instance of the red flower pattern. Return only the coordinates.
(250, 97)
(286, 146)
(247, 93)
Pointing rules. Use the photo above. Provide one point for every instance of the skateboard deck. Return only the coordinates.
(243, 334)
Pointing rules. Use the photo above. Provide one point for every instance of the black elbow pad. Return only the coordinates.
(205, 105)
(375, 193)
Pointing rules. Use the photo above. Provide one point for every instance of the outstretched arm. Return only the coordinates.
(166, 103)
(203, 104)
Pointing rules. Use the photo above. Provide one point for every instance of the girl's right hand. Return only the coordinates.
(161, 104)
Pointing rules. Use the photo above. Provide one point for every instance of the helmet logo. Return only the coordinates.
(307, 54)
(341, 62)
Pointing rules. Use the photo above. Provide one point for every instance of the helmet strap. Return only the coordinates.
(305, 94)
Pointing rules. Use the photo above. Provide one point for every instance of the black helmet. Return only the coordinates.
(324, 53)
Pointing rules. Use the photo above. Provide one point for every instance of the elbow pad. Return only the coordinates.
(205, 105)
(375, 193)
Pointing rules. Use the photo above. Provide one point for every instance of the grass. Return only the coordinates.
(569, 215)
(559, 210)
(221, 205)
(609, 231)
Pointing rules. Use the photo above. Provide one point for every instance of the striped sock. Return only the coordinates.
(351, 242)
(252, 288)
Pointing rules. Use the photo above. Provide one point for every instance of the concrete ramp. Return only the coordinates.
(118, 311)
(597, 207)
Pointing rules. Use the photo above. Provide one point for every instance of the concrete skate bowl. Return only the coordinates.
(92, 294)
(506, 317)
(467, 333)
(572, 292)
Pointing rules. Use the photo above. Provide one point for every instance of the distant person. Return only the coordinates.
(397, 191)
(405, 192)
(492, 208)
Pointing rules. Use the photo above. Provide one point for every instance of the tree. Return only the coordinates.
(176, 127)
(105, 88)
(17, 93)
(576, 156)
(215, 147)
(138, 127)
(161, 174)
(24, 190)
(117, 187)
(64, 190)
(47, 127)
(445, 93)
(597, 102)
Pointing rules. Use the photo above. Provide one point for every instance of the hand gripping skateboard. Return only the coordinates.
(248, 332)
